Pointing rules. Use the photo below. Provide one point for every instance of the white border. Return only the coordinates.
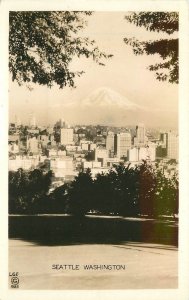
(100, 5)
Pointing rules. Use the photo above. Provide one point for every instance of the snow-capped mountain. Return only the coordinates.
(106, 97)
(108, 107)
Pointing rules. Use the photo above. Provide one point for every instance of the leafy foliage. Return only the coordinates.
(42, 45)
(166, 48)
(126, 191)
(80, 194)
(27, 189)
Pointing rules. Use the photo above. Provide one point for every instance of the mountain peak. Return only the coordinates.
(106, 97)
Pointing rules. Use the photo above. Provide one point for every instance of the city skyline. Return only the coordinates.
(18, 123)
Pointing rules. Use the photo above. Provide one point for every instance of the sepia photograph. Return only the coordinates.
(93, 150)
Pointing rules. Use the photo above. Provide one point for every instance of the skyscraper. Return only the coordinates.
(66, 136)
(110, 143)
(161, 149)
(172, 145)
(140, 138)
(33, 145)
(168, 145)
(122, 144)
(62, 123)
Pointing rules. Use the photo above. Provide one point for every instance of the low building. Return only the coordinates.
(92, 147)
(52, 152)
(95, 171)
(62, 167)
(24, 163)
(85, 146)
(91, 164)
(101, 154)
(138, 154)
(66, 136)
(33, 145)
(113, 161)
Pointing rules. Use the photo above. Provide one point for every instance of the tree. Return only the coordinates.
(105, 200)
(80, 194)
(18, 184)
(166, 196)
(166, 48)
(123, 181)
(27, 189)
(55, 202)
(147, 182)
(42, 45)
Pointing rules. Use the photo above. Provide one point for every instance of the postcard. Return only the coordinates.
(94, 150)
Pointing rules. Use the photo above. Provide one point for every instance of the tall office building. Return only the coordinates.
(66, 136)
(161, 149)
(140, 138)
(122, 144)
(172, 145)
(33, 145)
(62, 123)
(110, 143)
(101, 154)
(137, 154)
(163, 139)
(168, 145)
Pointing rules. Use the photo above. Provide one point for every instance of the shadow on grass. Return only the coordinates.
(69, 230)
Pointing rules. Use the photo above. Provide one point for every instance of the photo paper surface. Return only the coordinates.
(95, 190)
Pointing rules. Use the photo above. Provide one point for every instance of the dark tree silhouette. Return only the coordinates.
(80, 193)
(123, 191)
(26, 189)
(18, 183)
(147, 189)
(126, 191)
(104, 200)
(55, 203)
(167, 192)
(42, 45)
(166, 48)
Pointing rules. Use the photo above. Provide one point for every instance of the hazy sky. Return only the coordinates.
(125, 73)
